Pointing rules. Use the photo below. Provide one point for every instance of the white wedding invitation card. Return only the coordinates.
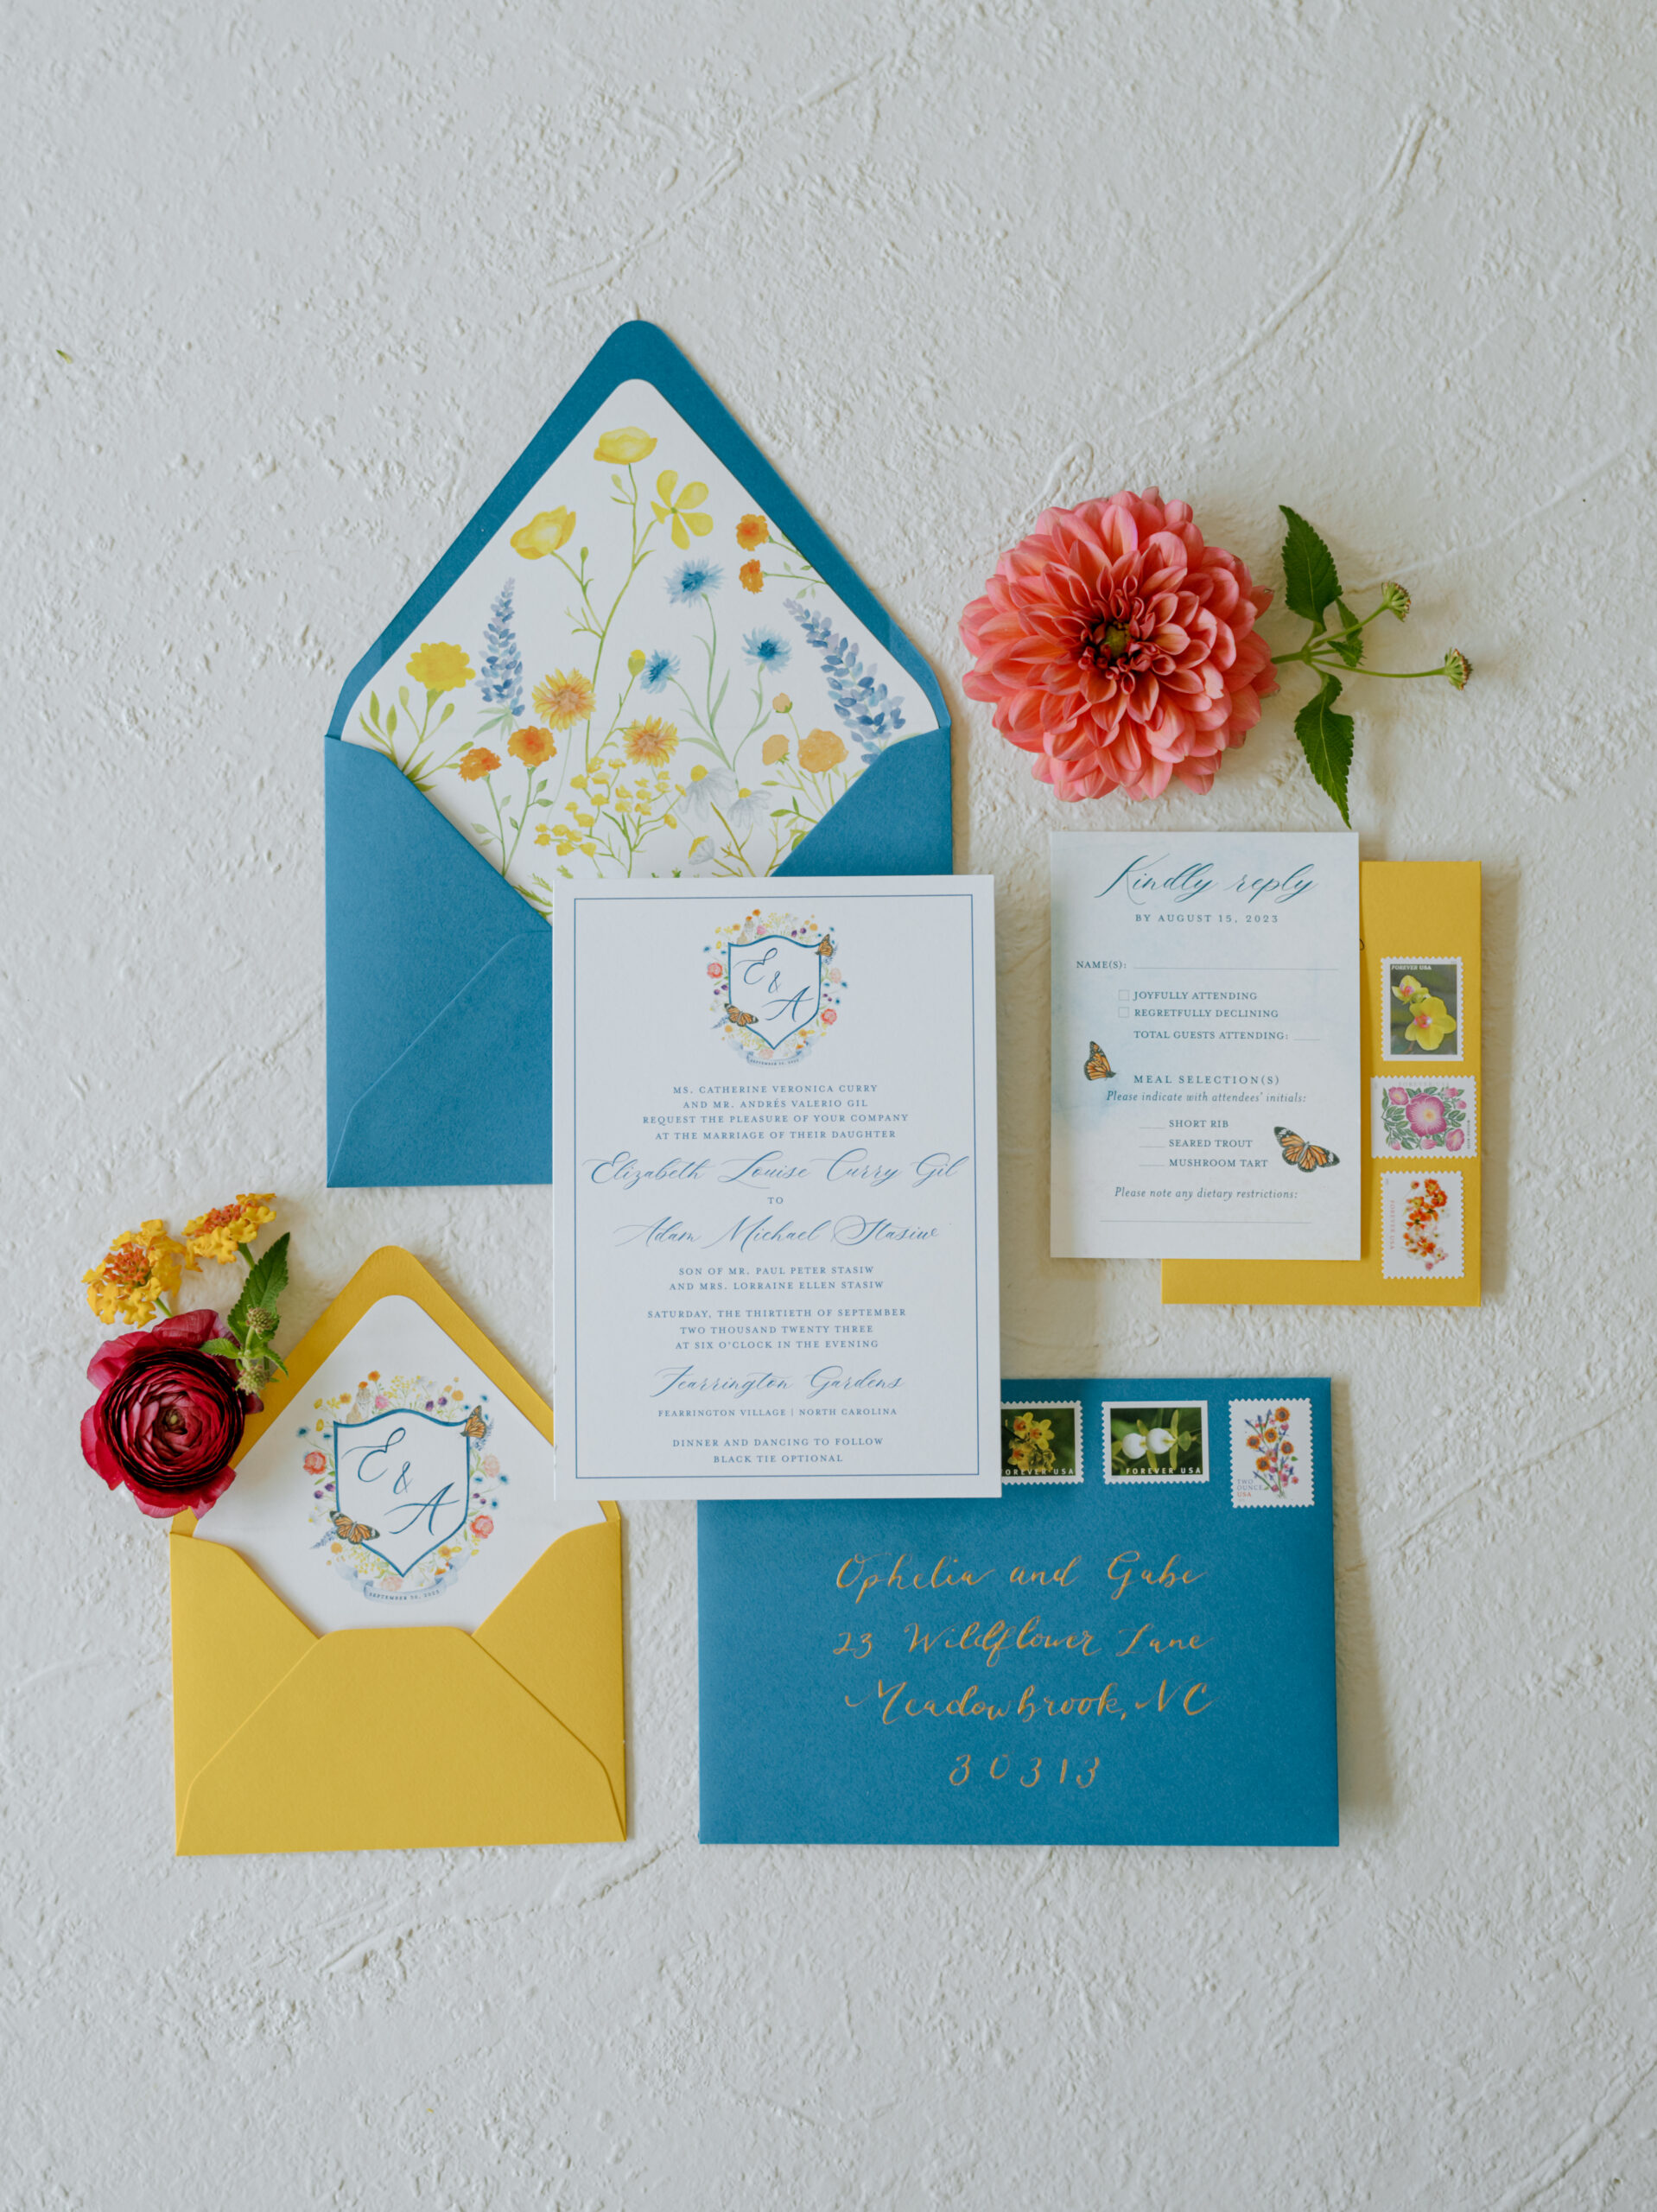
(775, 1178)
(1207, 1094)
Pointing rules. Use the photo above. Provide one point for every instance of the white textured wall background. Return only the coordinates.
(321, 272)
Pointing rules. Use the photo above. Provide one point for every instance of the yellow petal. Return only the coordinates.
(681, 536)
(544, 533)
(700, 523)
(626, 445)
(665, 484)
(694, 495)
(660, 513)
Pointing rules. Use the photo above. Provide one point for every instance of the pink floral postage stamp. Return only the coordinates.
(1423, 1115)
(1422, 1226)
(1270, 1452)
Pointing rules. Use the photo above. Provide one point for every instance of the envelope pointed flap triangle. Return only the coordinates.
(392, 1273)
(358, 1732)
(558, 1633)
(643, 655)
(431, 958)
(233, 1641)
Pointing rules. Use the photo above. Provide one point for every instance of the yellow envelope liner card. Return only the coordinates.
(398, 1738)
(1418, 924)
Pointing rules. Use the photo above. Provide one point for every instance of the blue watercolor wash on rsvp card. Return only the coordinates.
(1143, 1653)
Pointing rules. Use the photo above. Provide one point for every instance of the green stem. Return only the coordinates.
(500, 826)
(1388, 674)
(528, 793)
(713, 653)
(1307, 657)
(640, 548)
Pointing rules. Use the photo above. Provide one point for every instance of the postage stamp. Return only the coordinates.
(1041, 1443)
(1270, 1452)
(1423, 1115)
(1421, 1010)
(1423, 1226)
(1156, 1444)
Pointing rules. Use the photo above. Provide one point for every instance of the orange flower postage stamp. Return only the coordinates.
(1422, 1231)
(1270, 1452)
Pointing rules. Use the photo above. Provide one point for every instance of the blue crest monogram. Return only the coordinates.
(404, 1479)
(778, 983)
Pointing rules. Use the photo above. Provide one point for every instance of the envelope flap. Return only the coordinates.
(402, 1739)
(233, 1640)
(433, 958)
(645, 656)
(558, 1631)
(392, 1273)
(899, 808)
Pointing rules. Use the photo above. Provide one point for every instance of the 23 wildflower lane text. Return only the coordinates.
(916, 1661)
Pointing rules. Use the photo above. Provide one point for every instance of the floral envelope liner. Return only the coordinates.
(1270, 1452)
(1423, 1115)
(1423, 1226)
(1422, 1002)
(639, 675)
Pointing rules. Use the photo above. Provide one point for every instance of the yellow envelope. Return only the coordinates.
(1420, 911)
(398, 1738)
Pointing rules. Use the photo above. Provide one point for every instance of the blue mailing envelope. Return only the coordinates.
(641, 657)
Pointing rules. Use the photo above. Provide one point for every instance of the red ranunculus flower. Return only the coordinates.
(168, 1423)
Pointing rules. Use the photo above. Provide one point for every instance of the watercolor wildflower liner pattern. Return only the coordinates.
(1270, 1452)
(736, 1020)
(1423, 1226)
(1418, 1115)
(348, 1544)
(1146, 1443)
(1041, 1442)
(681, 755)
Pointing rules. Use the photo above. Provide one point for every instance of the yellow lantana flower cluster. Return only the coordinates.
(140, 1271)
(219, 1234)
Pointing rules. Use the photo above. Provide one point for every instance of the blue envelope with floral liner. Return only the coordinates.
(641, 656)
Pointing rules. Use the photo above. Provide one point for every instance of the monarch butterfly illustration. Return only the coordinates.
(1097, 1066)
(1297, 1152)
(738, 1018)
(826, 949)
(351, 1532)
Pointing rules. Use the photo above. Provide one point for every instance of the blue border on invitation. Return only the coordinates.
(581, 896)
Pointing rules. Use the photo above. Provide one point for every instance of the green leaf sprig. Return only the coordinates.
(254, 1319)
(1312, 586)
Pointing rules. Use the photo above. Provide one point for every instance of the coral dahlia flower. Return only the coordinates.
(1120, 649)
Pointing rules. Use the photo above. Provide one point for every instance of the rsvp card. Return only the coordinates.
(1206, 1090)
(775, 1162)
